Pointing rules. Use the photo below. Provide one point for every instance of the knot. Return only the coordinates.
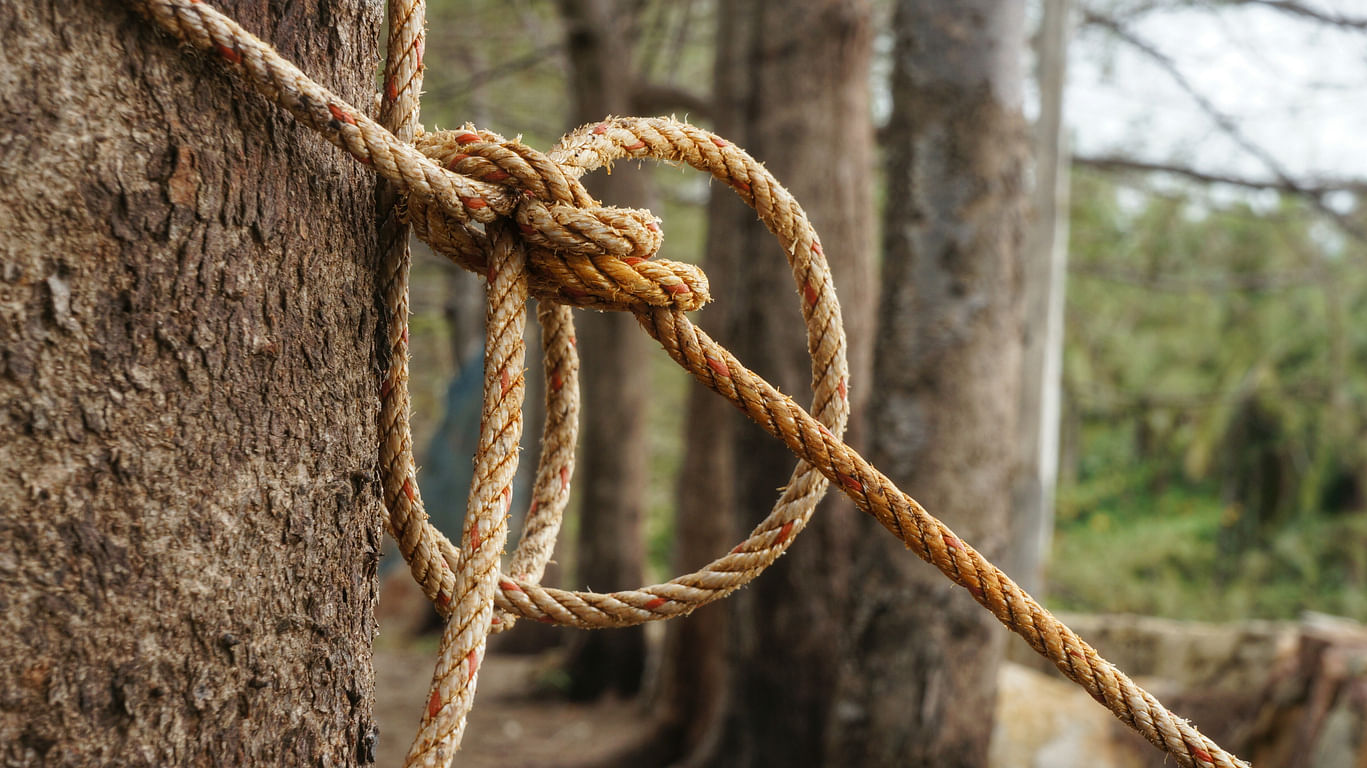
(579, 252)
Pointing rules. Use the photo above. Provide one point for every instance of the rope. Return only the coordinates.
(465, 191)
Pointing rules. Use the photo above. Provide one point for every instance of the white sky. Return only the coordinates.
(1297, 88)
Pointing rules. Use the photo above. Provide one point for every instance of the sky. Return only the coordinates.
(1296, 88)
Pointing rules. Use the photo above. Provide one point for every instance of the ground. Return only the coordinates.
(512, 726)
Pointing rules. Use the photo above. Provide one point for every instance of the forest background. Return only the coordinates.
(1199, 434)
(1213, 395)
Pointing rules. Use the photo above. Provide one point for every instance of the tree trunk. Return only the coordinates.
(613, 462)
(187, 441)
(924, 656)
(1042, 357)
(812, 126)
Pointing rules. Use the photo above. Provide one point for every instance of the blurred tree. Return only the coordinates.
(613, 462)
(923, 654)
(1046, 267)
(812, 126)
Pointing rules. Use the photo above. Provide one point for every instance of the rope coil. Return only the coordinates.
(523, 220)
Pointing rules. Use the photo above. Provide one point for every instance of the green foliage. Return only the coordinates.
(1212, 408)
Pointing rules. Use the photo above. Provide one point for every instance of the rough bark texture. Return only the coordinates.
(191, 518)
(613, 464)
(924, 656)
(792, 88)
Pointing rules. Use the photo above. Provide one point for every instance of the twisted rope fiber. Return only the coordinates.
(546, 225)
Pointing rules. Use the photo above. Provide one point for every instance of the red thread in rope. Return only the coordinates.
(341, 114)
(230, 54)
(784, 532)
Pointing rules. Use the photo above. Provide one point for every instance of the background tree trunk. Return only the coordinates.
(187, 443)
(1042, 357)
(811, 126)
(614, 459)
(924, 656)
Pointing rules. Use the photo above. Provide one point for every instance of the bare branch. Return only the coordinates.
(1310, 187)
(494, 73)
(1306, 12)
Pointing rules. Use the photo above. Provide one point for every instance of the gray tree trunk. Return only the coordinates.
(613, 464)
(792, 88)
(924, 656)
(191, 515)
(1042, 359)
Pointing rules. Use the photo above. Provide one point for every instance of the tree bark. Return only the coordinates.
(614, 460)
(811, 125)
(187, 443)
(924, 656)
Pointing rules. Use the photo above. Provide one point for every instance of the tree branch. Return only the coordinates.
(1310, 188)
(502, 69)
(1306, 12)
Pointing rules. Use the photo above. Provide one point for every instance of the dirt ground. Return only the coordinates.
(512, 726)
